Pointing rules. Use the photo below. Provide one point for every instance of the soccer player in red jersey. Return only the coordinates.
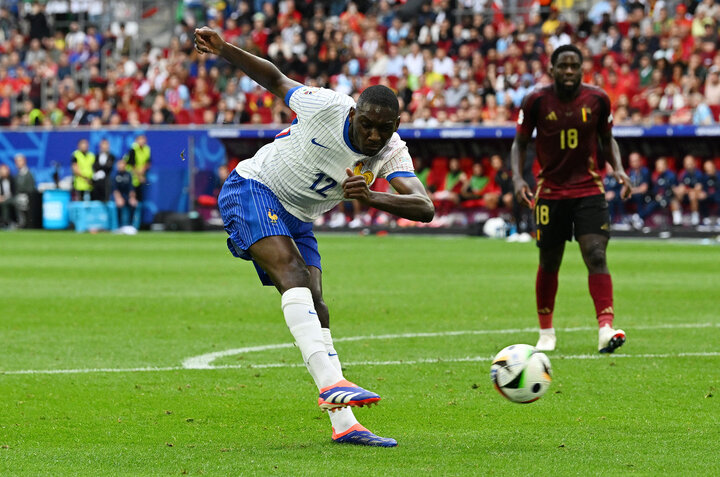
(574, 139)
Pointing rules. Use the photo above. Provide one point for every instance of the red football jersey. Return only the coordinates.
(567, 139)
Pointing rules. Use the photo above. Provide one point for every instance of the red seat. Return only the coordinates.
(197, 116)
(466, 165)
(144, 115)
(265, 114)
(715, 108)
(182, 117)
(438, 169)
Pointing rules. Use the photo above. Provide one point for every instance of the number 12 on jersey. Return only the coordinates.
(329, 183)
(568, 138)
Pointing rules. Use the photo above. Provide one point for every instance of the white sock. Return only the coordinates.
(301, 319)
(547, 331)
(342, 419)
(332, 354)
(677, 217)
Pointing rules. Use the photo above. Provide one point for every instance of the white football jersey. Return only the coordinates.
(305, 165)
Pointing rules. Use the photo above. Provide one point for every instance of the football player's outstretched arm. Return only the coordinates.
(411, 201)
(262, 71)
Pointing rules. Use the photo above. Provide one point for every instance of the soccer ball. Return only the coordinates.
(521, 373)
(495, 228)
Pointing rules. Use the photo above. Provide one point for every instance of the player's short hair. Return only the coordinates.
(379, 95)
(563, 49)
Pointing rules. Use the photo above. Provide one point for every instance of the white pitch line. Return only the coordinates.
(466, 359)
(204, 361)
(91, 370)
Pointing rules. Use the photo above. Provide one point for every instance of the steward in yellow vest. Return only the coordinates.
(138, 162)
(82, 167)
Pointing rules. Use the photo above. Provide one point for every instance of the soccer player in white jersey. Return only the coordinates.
(333, 150)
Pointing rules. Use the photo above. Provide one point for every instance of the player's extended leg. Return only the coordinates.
(546, 284)
(346, 428)
(279, 257)
(593, 248)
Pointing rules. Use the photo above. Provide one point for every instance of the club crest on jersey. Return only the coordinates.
(585, 113)
(552, 116)
(368, 175)
(272, 216)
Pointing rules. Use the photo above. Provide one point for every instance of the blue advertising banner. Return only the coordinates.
(48, 151)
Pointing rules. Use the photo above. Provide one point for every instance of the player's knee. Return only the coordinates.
(596, 258)
(292, 273)
(550, 261)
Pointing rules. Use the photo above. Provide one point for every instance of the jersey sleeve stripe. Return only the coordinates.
(290, 93)
(400, 174)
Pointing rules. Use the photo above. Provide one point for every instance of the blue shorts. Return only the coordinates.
(250, 212)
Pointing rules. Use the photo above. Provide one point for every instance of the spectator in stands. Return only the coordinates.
(443, 64)
(82, 167)
(701, 113)
(177, 95)
(7, 198)
(689, 190)
(480, 190)
(35, 54)
(123, 41)
(124, 195)
(398, 31)
(454, 182)
(159, 106)
(455, 92)
(102, 172)
(710, 199)
(24, 188)
(712, 86)
(443, 118)
(424, 118)
(502, 177)
(414, 60)
(7, 104)
(661, 195)
(646, 52)
(38, 21)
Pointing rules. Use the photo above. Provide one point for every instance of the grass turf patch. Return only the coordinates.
(74, 301)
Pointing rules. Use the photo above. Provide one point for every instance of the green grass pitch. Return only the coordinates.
(94, 331)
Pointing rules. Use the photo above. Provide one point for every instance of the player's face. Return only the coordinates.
(372, 127)
(567, 72)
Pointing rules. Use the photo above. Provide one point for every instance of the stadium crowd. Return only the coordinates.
(450, 61)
